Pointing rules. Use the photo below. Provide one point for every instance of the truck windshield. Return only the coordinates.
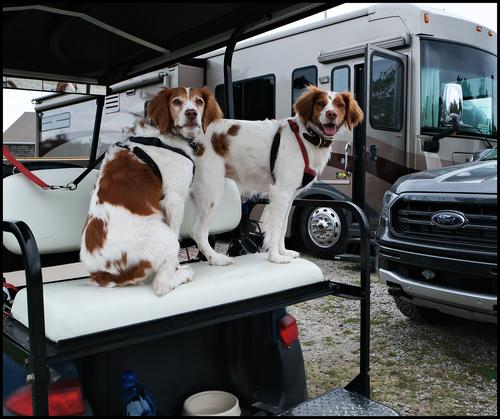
(473, 69)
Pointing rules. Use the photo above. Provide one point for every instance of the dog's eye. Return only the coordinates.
(199, 102)
(176, 102)
(341, 105)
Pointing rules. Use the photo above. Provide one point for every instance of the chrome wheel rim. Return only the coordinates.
(324, 227)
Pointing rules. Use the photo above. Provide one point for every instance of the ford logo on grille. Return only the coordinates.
(448, 219)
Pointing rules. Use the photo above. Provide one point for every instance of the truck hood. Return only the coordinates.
(476, 177)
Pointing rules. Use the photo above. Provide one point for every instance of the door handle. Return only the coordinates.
(346, 156)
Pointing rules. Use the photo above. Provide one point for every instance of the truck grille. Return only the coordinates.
(412, 220)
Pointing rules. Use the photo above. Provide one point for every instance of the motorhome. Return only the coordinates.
(409, 67)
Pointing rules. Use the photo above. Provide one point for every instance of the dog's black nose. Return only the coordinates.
(191, 114)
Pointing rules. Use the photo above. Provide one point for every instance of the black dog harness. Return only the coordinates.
(156, 142)
(313, 137)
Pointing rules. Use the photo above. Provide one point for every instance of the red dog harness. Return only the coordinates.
(309, 174)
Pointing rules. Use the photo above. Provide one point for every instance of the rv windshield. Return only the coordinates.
(474, 70)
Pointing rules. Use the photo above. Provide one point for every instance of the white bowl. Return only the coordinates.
(212, 403)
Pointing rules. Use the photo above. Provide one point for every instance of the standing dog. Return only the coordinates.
(137, 206)
(242, 150)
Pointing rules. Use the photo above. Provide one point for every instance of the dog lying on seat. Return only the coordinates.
(279, 158)
(137, 206)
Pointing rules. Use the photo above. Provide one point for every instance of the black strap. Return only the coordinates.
(156, 142)
(315, 139)
(141, 154)
(274, 152)
(307, 178)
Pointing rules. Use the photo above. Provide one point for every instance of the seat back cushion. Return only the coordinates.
(56, 217)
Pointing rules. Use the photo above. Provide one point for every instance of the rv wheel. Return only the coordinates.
(323, 231)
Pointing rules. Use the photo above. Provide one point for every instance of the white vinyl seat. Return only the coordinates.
(77, 308)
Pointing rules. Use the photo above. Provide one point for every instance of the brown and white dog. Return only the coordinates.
(135, 215)
(241, 149)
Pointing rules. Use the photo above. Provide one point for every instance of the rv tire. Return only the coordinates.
(323, 231)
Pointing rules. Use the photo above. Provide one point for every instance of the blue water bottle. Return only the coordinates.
(137, 401)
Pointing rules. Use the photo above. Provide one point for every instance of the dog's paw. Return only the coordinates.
(184, 274)
(219, 260)
(290, 253)
(279, 258)
(161, 288)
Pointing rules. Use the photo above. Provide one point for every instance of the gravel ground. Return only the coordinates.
(446, 369)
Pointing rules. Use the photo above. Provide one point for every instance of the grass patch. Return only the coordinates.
(328, 340)
(320, 380)
(486, 371)
(351, 320)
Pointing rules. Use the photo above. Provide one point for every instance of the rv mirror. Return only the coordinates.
(453, 105)
(53, 86)
(431, 145)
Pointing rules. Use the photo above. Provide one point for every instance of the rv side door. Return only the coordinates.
(385, 116)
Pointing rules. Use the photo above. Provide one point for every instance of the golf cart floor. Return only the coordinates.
(341, 402)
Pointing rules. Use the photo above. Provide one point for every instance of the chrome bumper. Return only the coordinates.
(460, 300)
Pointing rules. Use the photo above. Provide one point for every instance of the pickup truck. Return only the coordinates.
(437, 242)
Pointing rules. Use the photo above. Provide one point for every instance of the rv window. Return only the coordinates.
(386, 93)
(254, 99)
(475, 70)
(341, 78)
(301, 77)
(71, 134)
(61, 120)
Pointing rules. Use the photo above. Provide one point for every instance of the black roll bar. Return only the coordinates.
(228, 78)
(33, 268)
(97, 129)
(361, 383)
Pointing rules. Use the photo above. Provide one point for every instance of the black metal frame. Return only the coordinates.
(40, 352)
(228, 78)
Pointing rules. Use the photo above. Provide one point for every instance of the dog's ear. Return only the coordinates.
(304, 106)
(159, 110)
(354, 115)
(212, 110)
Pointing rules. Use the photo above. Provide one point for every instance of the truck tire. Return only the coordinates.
(323, 231)
(420, 314)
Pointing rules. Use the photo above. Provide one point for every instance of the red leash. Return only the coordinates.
(12, 160)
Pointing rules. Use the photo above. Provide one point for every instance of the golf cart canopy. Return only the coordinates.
(106, 43)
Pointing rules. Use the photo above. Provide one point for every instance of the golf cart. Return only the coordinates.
(228, 329)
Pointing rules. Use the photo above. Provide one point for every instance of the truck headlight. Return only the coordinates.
(387, 200)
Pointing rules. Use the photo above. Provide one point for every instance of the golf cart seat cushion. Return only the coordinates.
(56, 217)
(77, 308)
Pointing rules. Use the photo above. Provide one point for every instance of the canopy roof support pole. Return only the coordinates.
(228, 78)
(97, 129)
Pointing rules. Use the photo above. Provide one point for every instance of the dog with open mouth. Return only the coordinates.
(274, 158)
